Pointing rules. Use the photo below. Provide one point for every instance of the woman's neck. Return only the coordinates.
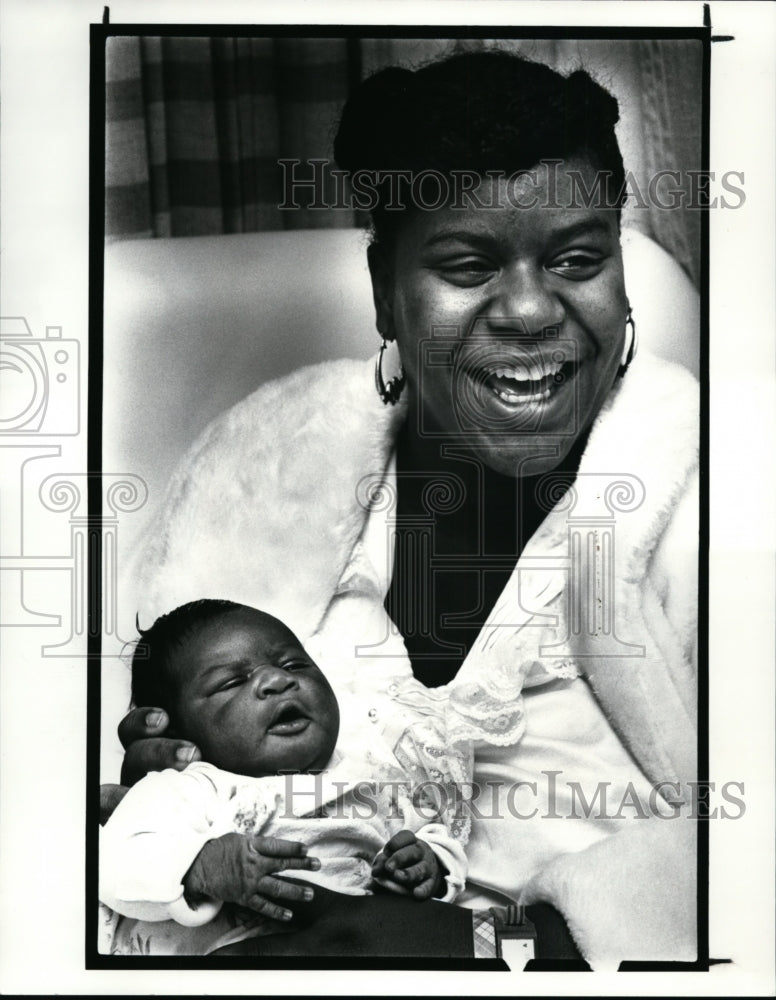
(449, 482)
(460, 528)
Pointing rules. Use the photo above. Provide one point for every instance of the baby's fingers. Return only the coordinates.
(267, 908)
(405, 857)
(399, 840)
(425, 890)
(276, 855)
(288, 892)
(307, 864)
(275, 847)
(413, 874)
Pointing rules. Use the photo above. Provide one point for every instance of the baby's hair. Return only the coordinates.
(153, 683)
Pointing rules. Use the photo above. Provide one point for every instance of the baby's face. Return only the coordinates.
(251, 698)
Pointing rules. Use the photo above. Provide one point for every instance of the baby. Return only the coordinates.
(275, 782)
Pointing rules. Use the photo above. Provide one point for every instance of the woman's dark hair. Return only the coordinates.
(481, 112)
(153, 682)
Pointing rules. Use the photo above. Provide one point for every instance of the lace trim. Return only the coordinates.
(440, 767)
(485, 700)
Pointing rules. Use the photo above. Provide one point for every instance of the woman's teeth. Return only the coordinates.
(524, 382)
(533, 372)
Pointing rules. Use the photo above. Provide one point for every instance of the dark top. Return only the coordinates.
(458, 536)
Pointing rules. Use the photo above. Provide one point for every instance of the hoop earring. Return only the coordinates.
(629, 352)
(391, 391)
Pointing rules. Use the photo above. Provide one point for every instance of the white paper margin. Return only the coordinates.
(44, 89)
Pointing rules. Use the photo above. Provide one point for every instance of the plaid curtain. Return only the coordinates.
(196, 126)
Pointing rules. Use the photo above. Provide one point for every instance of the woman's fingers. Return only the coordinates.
(141, 723)
(110, 796)
(147, 755)
(140, 732)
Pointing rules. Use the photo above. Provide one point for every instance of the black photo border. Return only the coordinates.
(98, 37)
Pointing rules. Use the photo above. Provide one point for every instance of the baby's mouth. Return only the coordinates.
(288, 720)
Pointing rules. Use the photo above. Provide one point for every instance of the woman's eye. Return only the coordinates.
(578, 265)
(466, 271)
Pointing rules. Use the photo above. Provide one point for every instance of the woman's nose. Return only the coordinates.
(523, 302)
(273, 680)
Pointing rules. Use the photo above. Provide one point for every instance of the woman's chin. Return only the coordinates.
(534, 457)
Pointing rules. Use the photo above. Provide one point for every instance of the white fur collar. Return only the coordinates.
(262, 510)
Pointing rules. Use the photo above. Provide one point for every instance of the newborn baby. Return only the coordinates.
(273, 783)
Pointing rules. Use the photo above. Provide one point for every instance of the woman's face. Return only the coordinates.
(510, 320)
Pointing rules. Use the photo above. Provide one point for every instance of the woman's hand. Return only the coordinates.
(240, 869)
(141, 732)
(407, 864)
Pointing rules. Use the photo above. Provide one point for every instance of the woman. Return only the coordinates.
(539, 488)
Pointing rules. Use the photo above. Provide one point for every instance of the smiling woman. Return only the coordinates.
(458, 527)
(538, 302)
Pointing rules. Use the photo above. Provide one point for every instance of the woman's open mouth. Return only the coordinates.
(288, 721)
(522, 383)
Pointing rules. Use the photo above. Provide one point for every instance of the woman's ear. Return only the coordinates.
(382, 285)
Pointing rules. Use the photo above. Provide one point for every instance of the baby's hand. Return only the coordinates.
(411, 865)
(240, 869)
